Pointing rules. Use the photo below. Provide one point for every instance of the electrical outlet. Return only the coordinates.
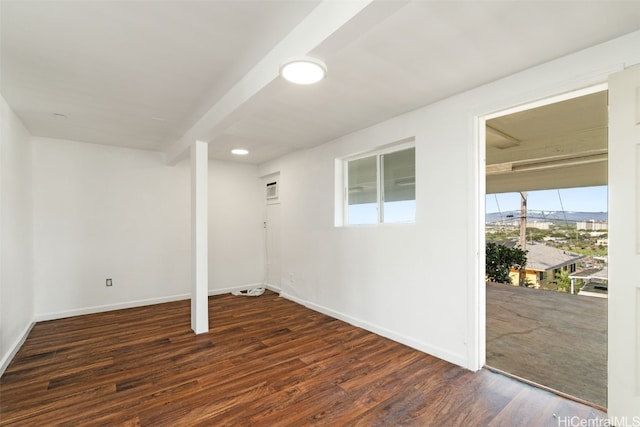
(109, 282)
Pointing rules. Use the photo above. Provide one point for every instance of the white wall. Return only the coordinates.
(236, 234)
(16, 245)
(105, 212)
(108, 212)
(420, 284)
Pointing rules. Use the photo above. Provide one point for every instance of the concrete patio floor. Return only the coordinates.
(553, 339)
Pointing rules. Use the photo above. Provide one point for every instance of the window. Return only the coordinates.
(380, 187)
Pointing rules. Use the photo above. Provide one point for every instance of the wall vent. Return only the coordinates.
(272, 190)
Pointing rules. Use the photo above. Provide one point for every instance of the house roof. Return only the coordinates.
(508, 243)
(542, 257)
(592, 274)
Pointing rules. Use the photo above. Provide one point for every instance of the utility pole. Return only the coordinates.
(523, 235)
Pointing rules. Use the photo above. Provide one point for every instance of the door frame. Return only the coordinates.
(273, 201)
(624, 301)
(477, 300)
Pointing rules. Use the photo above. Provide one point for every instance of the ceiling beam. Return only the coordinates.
(323, 22)
(549, 162)
(497, 138)
(581, 141)
(579, 175)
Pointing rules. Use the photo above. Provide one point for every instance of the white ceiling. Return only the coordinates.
(560, 145)
(146, 74)
(113, 66)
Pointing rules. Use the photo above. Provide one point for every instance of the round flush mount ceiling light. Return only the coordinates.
(239, 151)
(303, 70)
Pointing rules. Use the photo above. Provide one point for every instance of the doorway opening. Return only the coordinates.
(546, 194)
(272, 232)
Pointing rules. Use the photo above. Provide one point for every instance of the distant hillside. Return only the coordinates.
(557, 217)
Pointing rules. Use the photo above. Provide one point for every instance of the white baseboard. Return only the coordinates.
(7, 358)
(273, 288)
(300, 301)
(137, 303)
(108, 307)
(440, 353)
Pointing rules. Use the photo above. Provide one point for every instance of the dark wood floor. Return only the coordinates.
(266, 362)
(554, 339)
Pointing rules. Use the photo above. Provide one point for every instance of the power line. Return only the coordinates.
(547, 216)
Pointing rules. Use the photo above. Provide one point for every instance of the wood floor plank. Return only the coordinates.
(265, 361)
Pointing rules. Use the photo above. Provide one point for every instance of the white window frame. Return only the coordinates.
(342, 178)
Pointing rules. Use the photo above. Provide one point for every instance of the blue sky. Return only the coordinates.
(583, 199)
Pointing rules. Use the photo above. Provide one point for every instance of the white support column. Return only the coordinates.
(199, 238)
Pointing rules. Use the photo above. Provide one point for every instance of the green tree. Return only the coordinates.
(563, 282)
(499, 259)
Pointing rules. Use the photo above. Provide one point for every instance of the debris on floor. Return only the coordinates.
(255, 292)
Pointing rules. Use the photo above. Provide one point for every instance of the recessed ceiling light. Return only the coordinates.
(159, 119)
(303, 70)
(239, 151)
(59, 116)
